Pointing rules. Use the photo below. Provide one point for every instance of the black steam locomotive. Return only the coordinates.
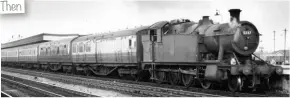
(176, 52)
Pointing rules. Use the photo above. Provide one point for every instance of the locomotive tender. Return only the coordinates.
(179, 51)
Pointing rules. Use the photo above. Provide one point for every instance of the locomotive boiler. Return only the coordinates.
(178, 52)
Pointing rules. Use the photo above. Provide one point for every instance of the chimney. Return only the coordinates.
(235, 13)
(205, 20)
(205, 17)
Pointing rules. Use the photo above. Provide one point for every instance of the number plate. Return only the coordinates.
(247, 32)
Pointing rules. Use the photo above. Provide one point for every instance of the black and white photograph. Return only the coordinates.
(145, 48)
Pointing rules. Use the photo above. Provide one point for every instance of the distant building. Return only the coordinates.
(278, 57)
(43, 37)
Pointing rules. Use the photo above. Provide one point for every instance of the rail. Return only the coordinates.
(33, 88)
(3, 94)
(118, 86)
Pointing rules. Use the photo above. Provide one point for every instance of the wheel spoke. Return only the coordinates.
(205, 84)
(187, 80)
(160, 77)
(174, 78)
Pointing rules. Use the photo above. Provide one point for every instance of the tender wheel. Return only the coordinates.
(234, 83)
(205, 84)
(187, 80)
(161, 76)
(174, 78)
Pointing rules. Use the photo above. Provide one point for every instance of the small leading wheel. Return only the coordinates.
(234, 83)
(187, 79)
(174, 78)
(160, 76)
(205, 84)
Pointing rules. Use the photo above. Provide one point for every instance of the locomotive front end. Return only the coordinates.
(233, 44)
(246, 40)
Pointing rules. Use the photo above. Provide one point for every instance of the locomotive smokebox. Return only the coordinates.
(235, 13)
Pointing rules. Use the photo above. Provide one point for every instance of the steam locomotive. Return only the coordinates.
(177, 52)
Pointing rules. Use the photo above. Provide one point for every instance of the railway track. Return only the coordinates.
(142, 90)
(139, 88)
(32, 88)
(4, 94)
(40, 89)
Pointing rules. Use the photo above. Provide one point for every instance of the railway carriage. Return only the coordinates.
(28, 54)
(10, 56)
(105, 53)
(55, 54)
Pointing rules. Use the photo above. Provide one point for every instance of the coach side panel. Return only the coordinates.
(28, 54)
(12, 55)
(117, 50)
(83, 51)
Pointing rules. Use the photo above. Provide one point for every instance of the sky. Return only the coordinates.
(99, 16)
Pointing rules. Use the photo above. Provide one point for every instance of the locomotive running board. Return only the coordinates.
(102, 74)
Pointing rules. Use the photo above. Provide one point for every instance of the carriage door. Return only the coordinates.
(80, 54)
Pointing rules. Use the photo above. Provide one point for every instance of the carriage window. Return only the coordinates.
(57, 51)
(52, 51)
(165, 29)
(46, 51)
(88, 47)
(41, 52)
(74, 48)
(81, 47)
(62, 50)
(130, 43)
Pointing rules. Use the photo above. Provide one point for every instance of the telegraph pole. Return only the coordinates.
(285, 45)
(261, 48)
(274, 41)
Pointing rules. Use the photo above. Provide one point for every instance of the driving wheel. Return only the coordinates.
(234, 83)
(187, 80)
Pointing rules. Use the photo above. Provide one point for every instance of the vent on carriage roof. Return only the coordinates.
(205, 20)
(44, 37)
